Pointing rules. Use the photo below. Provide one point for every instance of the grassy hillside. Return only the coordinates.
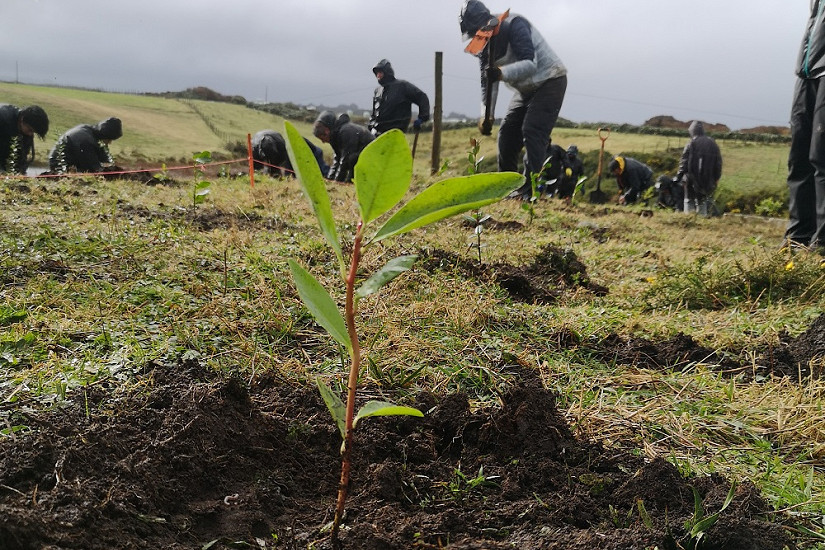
(155, 129)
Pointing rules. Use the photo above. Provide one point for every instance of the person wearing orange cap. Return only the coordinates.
(511, 50)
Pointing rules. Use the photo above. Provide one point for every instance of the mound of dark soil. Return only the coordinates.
(797, 358)
(552, 272)
(197, 461)
(675, 353)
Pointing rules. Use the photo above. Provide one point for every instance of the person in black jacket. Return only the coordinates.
(392, 102)
(85, 148)
(699, 170)
(17, 130)
(632, 177)
(270, 156)
(806, 160)
(347, 140)
(576, 164)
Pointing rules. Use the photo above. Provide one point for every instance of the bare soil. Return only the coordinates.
(197, 460)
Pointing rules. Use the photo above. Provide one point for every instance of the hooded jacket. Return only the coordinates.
(701, 161)
(634, 178)
(347, 140)
(811, 61)
(15, 147)
(269, 146)
(392, 102)
(81, 148)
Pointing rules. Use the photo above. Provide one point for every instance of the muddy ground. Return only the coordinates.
(191, 459)
(198, 460)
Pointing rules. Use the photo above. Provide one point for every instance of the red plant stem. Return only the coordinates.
(355, 368)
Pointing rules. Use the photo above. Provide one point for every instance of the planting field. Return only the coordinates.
(592, 376)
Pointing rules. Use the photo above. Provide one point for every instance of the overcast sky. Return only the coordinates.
(728, 61)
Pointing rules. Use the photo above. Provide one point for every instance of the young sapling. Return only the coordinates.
(201, 186)
(383, 175)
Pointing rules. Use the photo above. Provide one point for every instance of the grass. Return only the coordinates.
(100, 278)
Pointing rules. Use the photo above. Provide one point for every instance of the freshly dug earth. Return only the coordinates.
(552, 272)
(194, 460)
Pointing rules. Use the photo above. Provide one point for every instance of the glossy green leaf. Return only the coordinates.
(447, 198)
(320, 304)
(312, 182)
(382, 174)
(390, 271)
(384, 408)
(336, 407)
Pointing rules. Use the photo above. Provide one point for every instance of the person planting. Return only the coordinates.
(17, 130)
(85, 148)
(347, 139)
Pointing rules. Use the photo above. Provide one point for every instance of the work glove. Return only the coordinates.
(417, 124)
(485, 126)
(493, 74)
(568, 172)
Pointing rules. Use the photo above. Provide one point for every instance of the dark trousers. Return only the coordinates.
(528, 124)
(806, 165)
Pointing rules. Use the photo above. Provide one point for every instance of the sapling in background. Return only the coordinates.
(201, 186)
(382, 178)
(530, 206)
(477, 218)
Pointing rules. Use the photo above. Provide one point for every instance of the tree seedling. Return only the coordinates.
(477, 218)
(201, 186)
(529, 206)
(383, 175)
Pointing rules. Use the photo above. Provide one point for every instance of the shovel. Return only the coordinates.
(598, 196)
(415, 142)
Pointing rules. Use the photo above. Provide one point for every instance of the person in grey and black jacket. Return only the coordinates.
(347, 140)
(85, 148)
(526, 64)
(392, 102)
(806, 161)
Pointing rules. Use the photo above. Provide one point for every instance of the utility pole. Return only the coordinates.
(437, 111)
(16, 72)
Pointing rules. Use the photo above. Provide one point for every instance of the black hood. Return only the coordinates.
(342, 119)
(474, 16)
(385, 67)
(110, 128)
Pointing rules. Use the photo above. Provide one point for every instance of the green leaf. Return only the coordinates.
(202, 188)
(308, 173)
(384, 408)
(320, 304)
(204, 157)
(336, 407)
(447, 198)
(382, 174)
(390, 271)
